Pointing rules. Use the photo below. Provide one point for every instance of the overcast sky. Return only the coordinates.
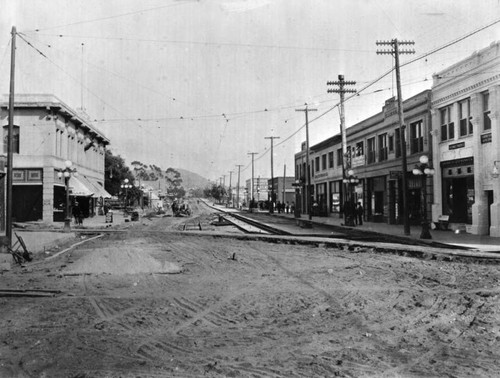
(198, 84)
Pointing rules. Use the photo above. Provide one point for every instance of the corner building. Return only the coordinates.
(466, 142)
(46, 133)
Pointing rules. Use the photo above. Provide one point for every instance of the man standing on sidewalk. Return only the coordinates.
(359, 213)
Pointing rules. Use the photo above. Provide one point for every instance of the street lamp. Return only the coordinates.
(67, 172)
(351, 181)
(126, 186)
(423, 169)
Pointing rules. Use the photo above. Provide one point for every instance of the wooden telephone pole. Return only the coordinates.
(306, 110)
(404, 178)
(348, 215)
(271, 203)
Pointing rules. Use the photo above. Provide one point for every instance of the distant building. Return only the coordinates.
(283, 189)
(260, 189)
(47, 133)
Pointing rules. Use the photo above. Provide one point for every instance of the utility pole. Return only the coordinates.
(8, 212)
(230, 193)
(284, 182)
(347, 198)
(306, 110)
(238, 187)
(271, 205)
(252, 199)
(404, 178)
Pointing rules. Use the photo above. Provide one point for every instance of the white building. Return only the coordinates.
(47, 133)
(466, 142)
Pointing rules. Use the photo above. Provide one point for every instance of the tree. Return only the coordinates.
(216, 191)
(174, 183)
(116, 173)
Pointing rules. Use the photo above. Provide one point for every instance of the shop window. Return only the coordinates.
(371, 150)
(486, 111)
(330, 159)
(465, 118)
(416, 137)
(15, 139)
(447, 126)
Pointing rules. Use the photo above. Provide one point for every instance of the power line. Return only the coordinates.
(107, 18)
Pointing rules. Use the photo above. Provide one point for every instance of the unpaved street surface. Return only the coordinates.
(157, 302)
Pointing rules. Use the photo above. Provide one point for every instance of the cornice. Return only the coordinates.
(465, 90)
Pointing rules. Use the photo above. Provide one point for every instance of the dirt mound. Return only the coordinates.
(120, 260)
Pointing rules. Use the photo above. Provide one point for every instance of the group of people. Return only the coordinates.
(285, 208)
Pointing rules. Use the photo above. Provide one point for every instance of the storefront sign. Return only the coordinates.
(456, 145)
(486, 138)
(320, 175)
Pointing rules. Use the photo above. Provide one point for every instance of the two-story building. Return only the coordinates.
(465, 111)
(46, 134)
(374, 156)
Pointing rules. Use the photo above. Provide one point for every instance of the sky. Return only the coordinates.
(201, 84)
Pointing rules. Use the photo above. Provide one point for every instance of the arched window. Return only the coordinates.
(15, 139)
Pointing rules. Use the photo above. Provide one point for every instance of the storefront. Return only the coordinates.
(376, 209)
(458, 189)
(321, 199)
(336, 196)
(27, 195)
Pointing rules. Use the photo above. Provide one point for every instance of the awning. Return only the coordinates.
(98, 190)
(78, 189)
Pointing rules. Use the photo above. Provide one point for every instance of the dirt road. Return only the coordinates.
(156, 303)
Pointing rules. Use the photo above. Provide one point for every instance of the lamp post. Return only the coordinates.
(67, 172)
(351, 181)
(126, 186)
(423, 169)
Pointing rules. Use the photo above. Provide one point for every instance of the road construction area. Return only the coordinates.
(152, 300)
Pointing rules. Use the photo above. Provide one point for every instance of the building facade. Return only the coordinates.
(375, 159)
(465, 111)
(46, 134)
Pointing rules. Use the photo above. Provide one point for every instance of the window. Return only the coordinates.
(382, 147)
(330, 159)
(371, 150)
(486, 111)
(447, 126)
(397, 141)
(465, 118)
(316, 164)
(323, 162)
(15, 139)
(339, 157)
(416, 137)
(359, 149)
(391, 143)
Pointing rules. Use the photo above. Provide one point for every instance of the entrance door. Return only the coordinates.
(489, 194)
(459, 200)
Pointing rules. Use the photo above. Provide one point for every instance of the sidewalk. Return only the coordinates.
(42, 237)
(481, 242)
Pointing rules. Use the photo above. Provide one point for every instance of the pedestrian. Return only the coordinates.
(278, 206)
(359, 213)
(287, 207)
